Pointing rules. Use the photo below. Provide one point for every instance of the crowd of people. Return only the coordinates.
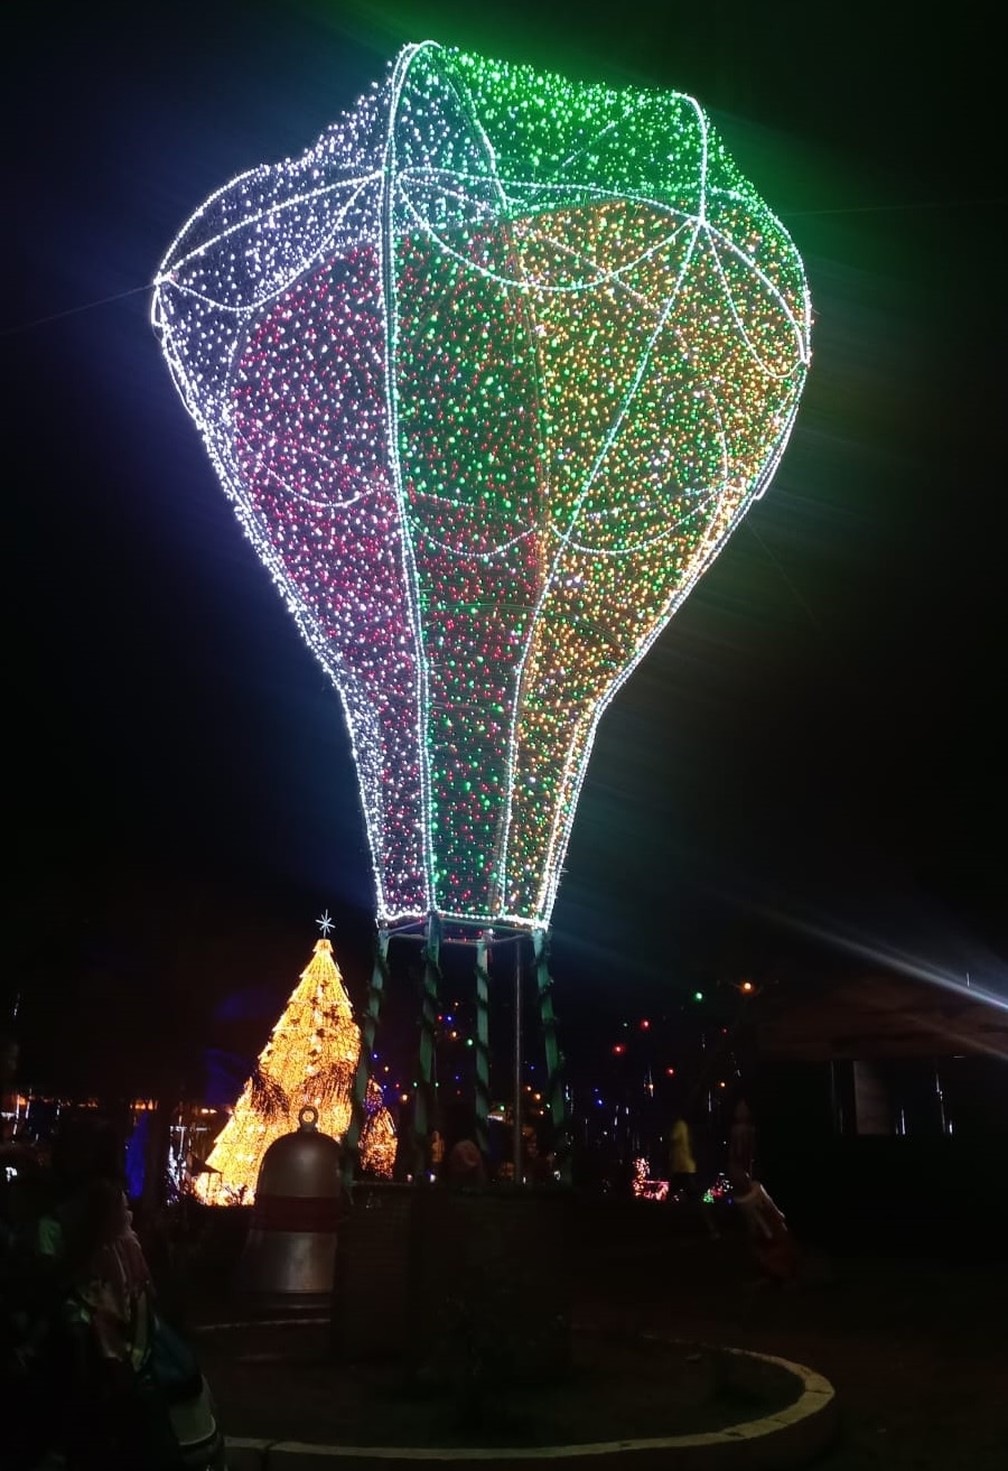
(764, 1225)
(95, 1375)
(455, 1159)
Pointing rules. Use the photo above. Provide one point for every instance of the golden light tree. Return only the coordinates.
(310, 1059)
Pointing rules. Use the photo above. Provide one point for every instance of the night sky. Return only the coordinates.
(808, 769)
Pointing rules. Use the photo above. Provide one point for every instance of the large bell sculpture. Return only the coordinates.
(289, 1257)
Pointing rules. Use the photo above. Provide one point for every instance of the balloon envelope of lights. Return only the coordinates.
(490, 374)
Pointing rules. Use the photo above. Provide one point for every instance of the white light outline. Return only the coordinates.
(407, 550)
(346, 680)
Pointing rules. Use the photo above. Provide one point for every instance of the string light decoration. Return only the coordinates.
(310, 1059)
(643, 1187)
(490, 375)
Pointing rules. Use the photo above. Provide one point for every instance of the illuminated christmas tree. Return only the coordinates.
(310, 1059)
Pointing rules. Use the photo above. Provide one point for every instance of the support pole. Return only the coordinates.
(423, 1112)
(517, 1142)
(362, 1075)
(556, 1092)
(482, 1048)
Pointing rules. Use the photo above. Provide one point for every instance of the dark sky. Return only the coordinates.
(808, 767)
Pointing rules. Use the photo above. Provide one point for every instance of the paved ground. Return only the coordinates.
(915, 1346)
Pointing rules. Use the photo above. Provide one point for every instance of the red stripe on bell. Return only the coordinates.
(297, 1213)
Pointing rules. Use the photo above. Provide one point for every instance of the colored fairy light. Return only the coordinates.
(643, 1186)
(490, 374)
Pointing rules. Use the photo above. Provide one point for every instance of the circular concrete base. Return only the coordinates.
(788, 1438)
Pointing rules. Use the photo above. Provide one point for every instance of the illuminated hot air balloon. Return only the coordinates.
(490, 374)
